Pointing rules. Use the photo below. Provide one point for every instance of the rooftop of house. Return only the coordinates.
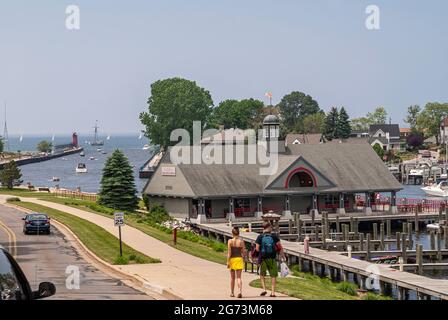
(392, 129)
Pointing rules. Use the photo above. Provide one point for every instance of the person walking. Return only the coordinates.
(235, 261)
(268, 245)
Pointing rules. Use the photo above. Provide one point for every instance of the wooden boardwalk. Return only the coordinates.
(332, 261)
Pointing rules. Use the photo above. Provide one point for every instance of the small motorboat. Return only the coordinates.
(104, 152)
(81, 168)
(437, 190)
(82, 154)
(433, 226)
(99, 149)
(146, 147)
(55, 179)
(92, 158)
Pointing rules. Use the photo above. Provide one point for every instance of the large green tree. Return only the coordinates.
(343, 129)
(430, 118)
(9, 174)
(360, 124)
(378, 116)
(412, 116)
(313, 123)
(118, 189)
(294, 107)
(175, 103)
(44, 146)
(330, 123)
(242, 114)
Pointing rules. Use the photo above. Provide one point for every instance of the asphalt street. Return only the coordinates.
(53, 258)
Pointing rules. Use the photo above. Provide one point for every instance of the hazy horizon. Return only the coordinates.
(57, 80)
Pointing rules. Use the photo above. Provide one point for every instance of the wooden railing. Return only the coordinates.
(76, 195)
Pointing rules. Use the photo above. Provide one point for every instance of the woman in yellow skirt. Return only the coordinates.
(235, 261)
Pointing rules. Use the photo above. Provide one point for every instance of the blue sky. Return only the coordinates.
(55, 80)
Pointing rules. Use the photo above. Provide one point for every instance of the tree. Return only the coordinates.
(314, 123)
(242, 114)
(360, 124)
(294, 107)
(379, 151)
(118, 189)
(44, 146)
(175, 103)
(429, 119)
(330, 124)
(378, 116)
(9, 174)
(2, 146)
(414, 140)
(411, 118)
(343, 129)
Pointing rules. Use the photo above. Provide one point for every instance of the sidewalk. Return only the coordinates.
(181, 274)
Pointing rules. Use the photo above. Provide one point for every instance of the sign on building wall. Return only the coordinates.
(168, 171)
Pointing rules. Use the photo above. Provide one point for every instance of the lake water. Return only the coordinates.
(40, 174)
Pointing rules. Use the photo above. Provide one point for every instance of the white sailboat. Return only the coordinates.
(140, 137)
(52, 138)
(108, 137)
(21, 138)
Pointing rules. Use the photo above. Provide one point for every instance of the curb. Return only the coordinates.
(136, 281)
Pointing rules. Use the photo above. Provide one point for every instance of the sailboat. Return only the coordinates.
(21, 138)
(108, 137)
(95, 141)
(140, 136)
(52, 138)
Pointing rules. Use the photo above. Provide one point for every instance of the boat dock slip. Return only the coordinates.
(339, 265)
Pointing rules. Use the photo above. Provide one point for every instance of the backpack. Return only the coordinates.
(267, 246)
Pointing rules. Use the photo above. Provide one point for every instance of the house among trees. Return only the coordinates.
(444, 131)
(309, 178)
(387, 136)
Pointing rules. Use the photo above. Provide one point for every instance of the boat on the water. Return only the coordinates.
(96, 141)
(82, 154)
(55, 179)
(92, 158)
(437, 190)
(81, 168)
(433, 226)
(146, 147)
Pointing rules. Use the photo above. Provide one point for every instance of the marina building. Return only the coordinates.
(309, 178)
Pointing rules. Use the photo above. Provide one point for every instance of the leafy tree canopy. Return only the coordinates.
(9, 174)
(379, 151)
(242, 114)
(314, 123)
(378, 116)
(44, 146)
(294, 107)
(412, 116)
(430, 118)
(175, 103)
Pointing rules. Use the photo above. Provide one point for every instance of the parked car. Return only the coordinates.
(36, 222)
(15, 286)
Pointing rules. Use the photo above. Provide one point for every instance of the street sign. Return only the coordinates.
(119, 219)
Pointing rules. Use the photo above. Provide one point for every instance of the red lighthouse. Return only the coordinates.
(75, 140)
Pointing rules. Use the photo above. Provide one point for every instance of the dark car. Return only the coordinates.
(36, 222)
(13, 283)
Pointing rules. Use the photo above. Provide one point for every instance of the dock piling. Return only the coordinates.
(375, 231)
(404, 247)
(382, 236)
(368, 247)
(417, 223)
(420, 259)
(439, 247)
(388, 228)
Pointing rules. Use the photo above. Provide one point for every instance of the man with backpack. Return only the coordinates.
(268, 245)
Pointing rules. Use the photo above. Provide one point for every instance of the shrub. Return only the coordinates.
(121, 260)
(348, 288)
(373, 296)
(145, 199)
(158, 214)
(13, 199)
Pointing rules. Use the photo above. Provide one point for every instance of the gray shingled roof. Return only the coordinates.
(350, 167)
(393, 129)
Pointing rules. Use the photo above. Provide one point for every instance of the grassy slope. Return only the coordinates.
(98, 240)
(195, 249)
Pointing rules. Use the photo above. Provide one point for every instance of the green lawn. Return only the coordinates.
(135, 220)
(309, 287)
(98, 240)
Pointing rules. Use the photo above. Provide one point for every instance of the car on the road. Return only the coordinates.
(15, 286)
(36, 222)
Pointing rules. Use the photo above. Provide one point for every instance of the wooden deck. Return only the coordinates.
(386, 274)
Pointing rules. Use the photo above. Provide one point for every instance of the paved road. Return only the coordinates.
(46, 257)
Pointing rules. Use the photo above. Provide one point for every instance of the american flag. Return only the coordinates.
(268, 94)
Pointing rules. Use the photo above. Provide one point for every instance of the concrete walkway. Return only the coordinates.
(181, 274)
